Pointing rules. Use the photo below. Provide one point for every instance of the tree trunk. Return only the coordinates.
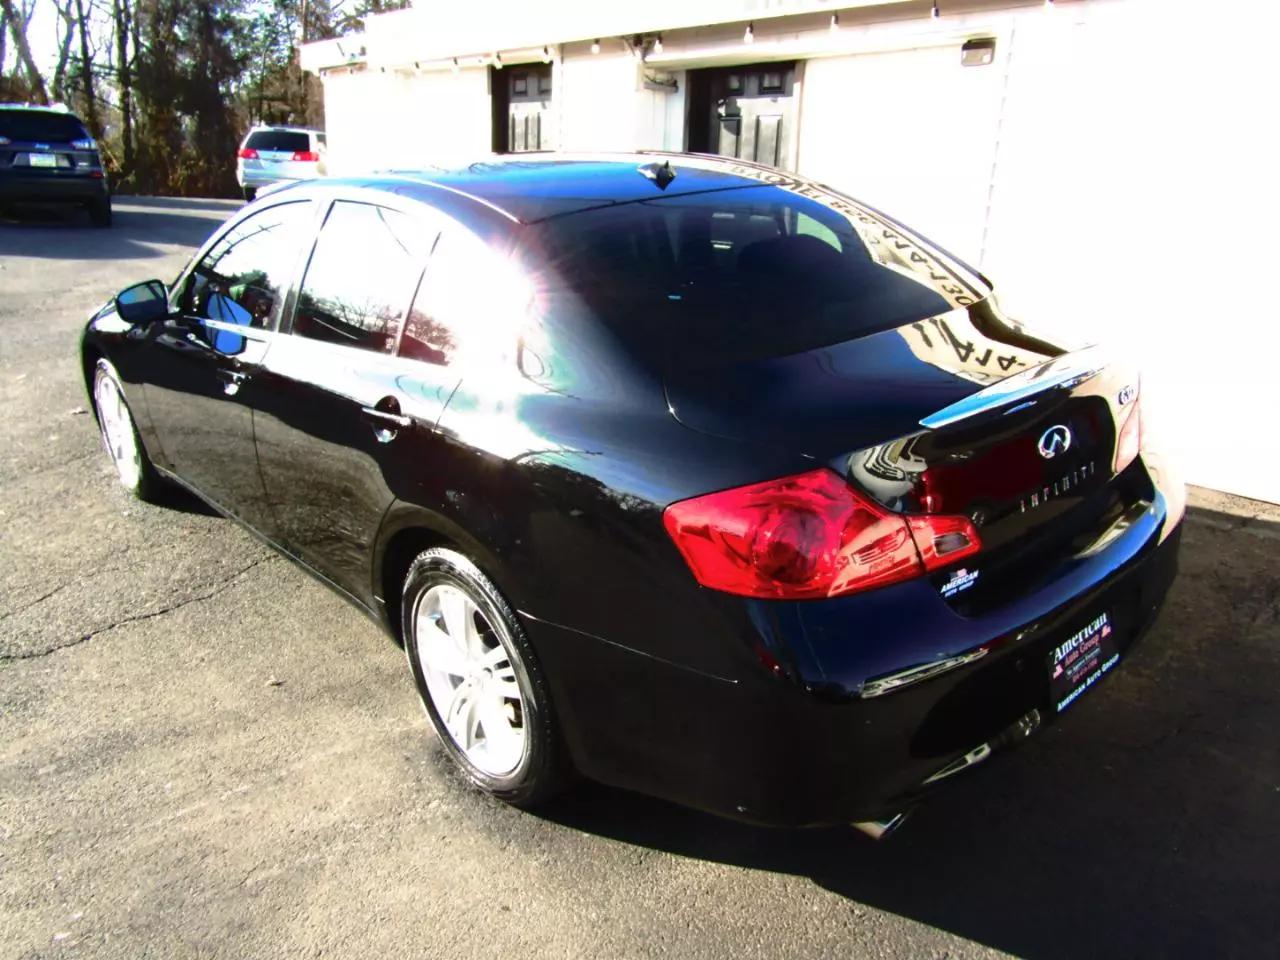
(86, 65)
(19, 34)
(64, 51)
(295, 60)
(124, 79)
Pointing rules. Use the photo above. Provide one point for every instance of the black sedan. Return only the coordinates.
(678, 473)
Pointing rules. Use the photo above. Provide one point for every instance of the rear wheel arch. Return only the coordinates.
(409, 530)
(394, 561)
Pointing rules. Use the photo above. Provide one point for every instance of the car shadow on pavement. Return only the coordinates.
(140, 227)
(175, 203)
(179, 498)
(1142, 824)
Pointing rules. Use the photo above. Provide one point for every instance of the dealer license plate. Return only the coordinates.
(1080, 660)
(42, 159)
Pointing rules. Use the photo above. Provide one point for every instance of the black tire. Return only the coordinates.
(249, 193)
(543, 770)
(148, 485)
(100, 212)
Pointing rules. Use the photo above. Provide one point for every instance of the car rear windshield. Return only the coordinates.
(40, 126)
(746, 273)
(289, 141)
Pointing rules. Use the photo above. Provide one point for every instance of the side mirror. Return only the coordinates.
(143, 302)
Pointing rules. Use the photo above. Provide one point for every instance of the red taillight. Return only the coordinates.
(810, 535)
(247, 153)
(1129, 439)
(308, 156)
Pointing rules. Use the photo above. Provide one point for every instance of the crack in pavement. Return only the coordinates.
(137, 618)
(97, 574)
(40, 599)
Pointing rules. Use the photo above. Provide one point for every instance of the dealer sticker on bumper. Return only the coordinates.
(1080, 660)
(961, 579)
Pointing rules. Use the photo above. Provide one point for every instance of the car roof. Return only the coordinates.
(527, 188)
(271, 126)
(60, 110)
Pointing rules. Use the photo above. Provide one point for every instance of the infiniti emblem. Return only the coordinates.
(1055, 440)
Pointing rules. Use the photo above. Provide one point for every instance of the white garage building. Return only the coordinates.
(1110, 164)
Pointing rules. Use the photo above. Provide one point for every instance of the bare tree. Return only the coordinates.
(86, 73)
(18, 30)
(120, 14)
(66, 33)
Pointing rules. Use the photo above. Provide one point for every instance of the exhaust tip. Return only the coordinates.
(880, 829)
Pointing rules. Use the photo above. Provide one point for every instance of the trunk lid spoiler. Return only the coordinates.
(1065, 372)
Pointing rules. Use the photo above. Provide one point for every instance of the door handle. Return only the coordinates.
(386, 423)
(381, 418)
(232, 380)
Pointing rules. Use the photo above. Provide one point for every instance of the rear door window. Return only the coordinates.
(41, 126)
(437, 319)
(279, 141)
(361, 277)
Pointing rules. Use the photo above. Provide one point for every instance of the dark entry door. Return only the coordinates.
(748, 112)
(528, 104)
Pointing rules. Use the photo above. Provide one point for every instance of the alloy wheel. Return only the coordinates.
(471, 680)
(117, 429)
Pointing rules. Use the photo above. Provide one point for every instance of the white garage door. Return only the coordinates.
(911, 132)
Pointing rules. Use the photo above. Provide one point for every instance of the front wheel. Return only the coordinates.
(120, 436)
(249, 193)
(479, 680)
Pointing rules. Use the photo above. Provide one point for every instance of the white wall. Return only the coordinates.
(1128, 148)
(602, 104)
(1136, 203)
(381, 120)
(597, 101)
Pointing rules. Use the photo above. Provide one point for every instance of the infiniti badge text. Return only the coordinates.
(1056, 489)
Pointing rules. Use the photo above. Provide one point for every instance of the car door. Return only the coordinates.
(204, 358)
(340, 413)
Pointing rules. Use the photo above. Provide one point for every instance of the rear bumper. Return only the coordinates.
(257, 179)
(34, 187)
(785, 747)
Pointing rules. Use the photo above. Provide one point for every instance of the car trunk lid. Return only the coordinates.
(939, 417)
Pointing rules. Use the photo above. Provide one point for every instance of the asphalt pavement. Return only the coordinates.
(204, 753)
